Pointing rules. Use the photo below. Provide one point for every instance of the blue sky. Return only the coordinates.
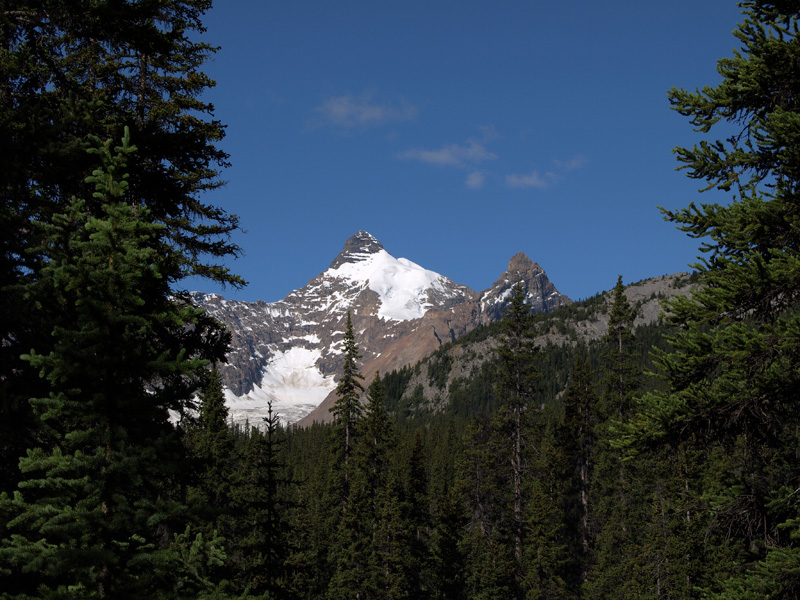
(460, 133)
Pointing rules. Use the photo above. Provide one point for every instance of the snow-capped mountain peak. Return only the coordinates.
(359, 247)
(405, 290)
(288, 352)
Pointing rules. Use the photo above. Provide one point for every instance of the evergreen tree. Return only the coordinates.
(376, 439)
(734, 370)
(517, 377)
(618, 563)
(74, 69)
(316, 516)
(480, 482)
(212, 447)
(491, 569)
(96, 513)
(577, 440)
(360, 565)
(546, 552)
(448, 557)
(347, 408)
(418, 515)
(260, 530)
(70, 70)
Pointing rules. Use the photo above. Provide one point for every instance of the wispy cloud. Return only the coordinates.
(454, 155)
(531, 180)
(349, 111)
(576, 162)
(475, 180)
(489, 132)
(537, 180)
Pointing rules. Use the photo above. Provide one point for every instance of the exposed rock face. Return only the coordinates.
(542, 295)
(289, 352)
(645, 297)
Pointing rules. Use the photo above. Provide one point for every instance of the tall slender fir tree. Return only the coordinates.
(517, 378)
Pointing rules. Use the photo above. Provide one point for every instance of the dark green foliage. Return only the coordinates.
(546, 553)
(211, 444)
(490, 572)
(619, 357)
(394, 384)
(619, 489)
(733, 372)
(347, 409)
(260, 537)
(97, 510)
(74, 69)
(439, 367)
(517, 380)
(557, 472)
(69, 72)
(577, 441)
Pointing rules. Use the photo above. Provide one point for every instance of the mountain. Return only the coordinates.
(452, 376)
(290, 351)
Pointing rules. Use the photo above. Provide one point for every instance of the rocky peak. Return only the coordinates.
(356, 249)
(541, 293)
(520, 265)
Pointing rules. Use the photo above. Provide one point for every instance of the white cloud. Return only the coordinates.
(531, 180)
(350, 111)
(475, 180)
(540, 181)
(455, 155)
(489, 132)
(576, 162)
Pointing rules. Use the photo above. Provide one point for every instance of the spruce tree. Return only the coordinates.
(577, 440)
(70, 70)
(517, 377)
(356, 554)
(620, 362)
(734, 369)
(347, 408)
(97, 512)
(618, 564)
(212, 447)
(261, 541)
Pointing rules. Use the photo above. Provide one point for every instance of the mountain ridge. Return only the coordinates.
(289, 351)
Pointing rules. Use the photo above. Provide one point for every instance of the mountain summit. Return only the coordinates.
(357, 248)
(404, 290)
(289, 352)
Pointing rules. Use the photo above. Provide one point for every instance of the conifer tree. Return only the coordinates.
(620, 362)
(734, 370)
(261, 544)
(397, 556)
(362, 564)
(419, 517)
(97, 513)
(618, 564)
(316, 516)
(376, 438)
(545, 564)
(70, 70)
(448, 556)
(212, 447)
(517, 379)
(347, 408)
(577, 440)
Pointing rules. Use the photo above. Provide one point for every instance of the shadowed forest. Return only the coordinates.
(658, 462)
